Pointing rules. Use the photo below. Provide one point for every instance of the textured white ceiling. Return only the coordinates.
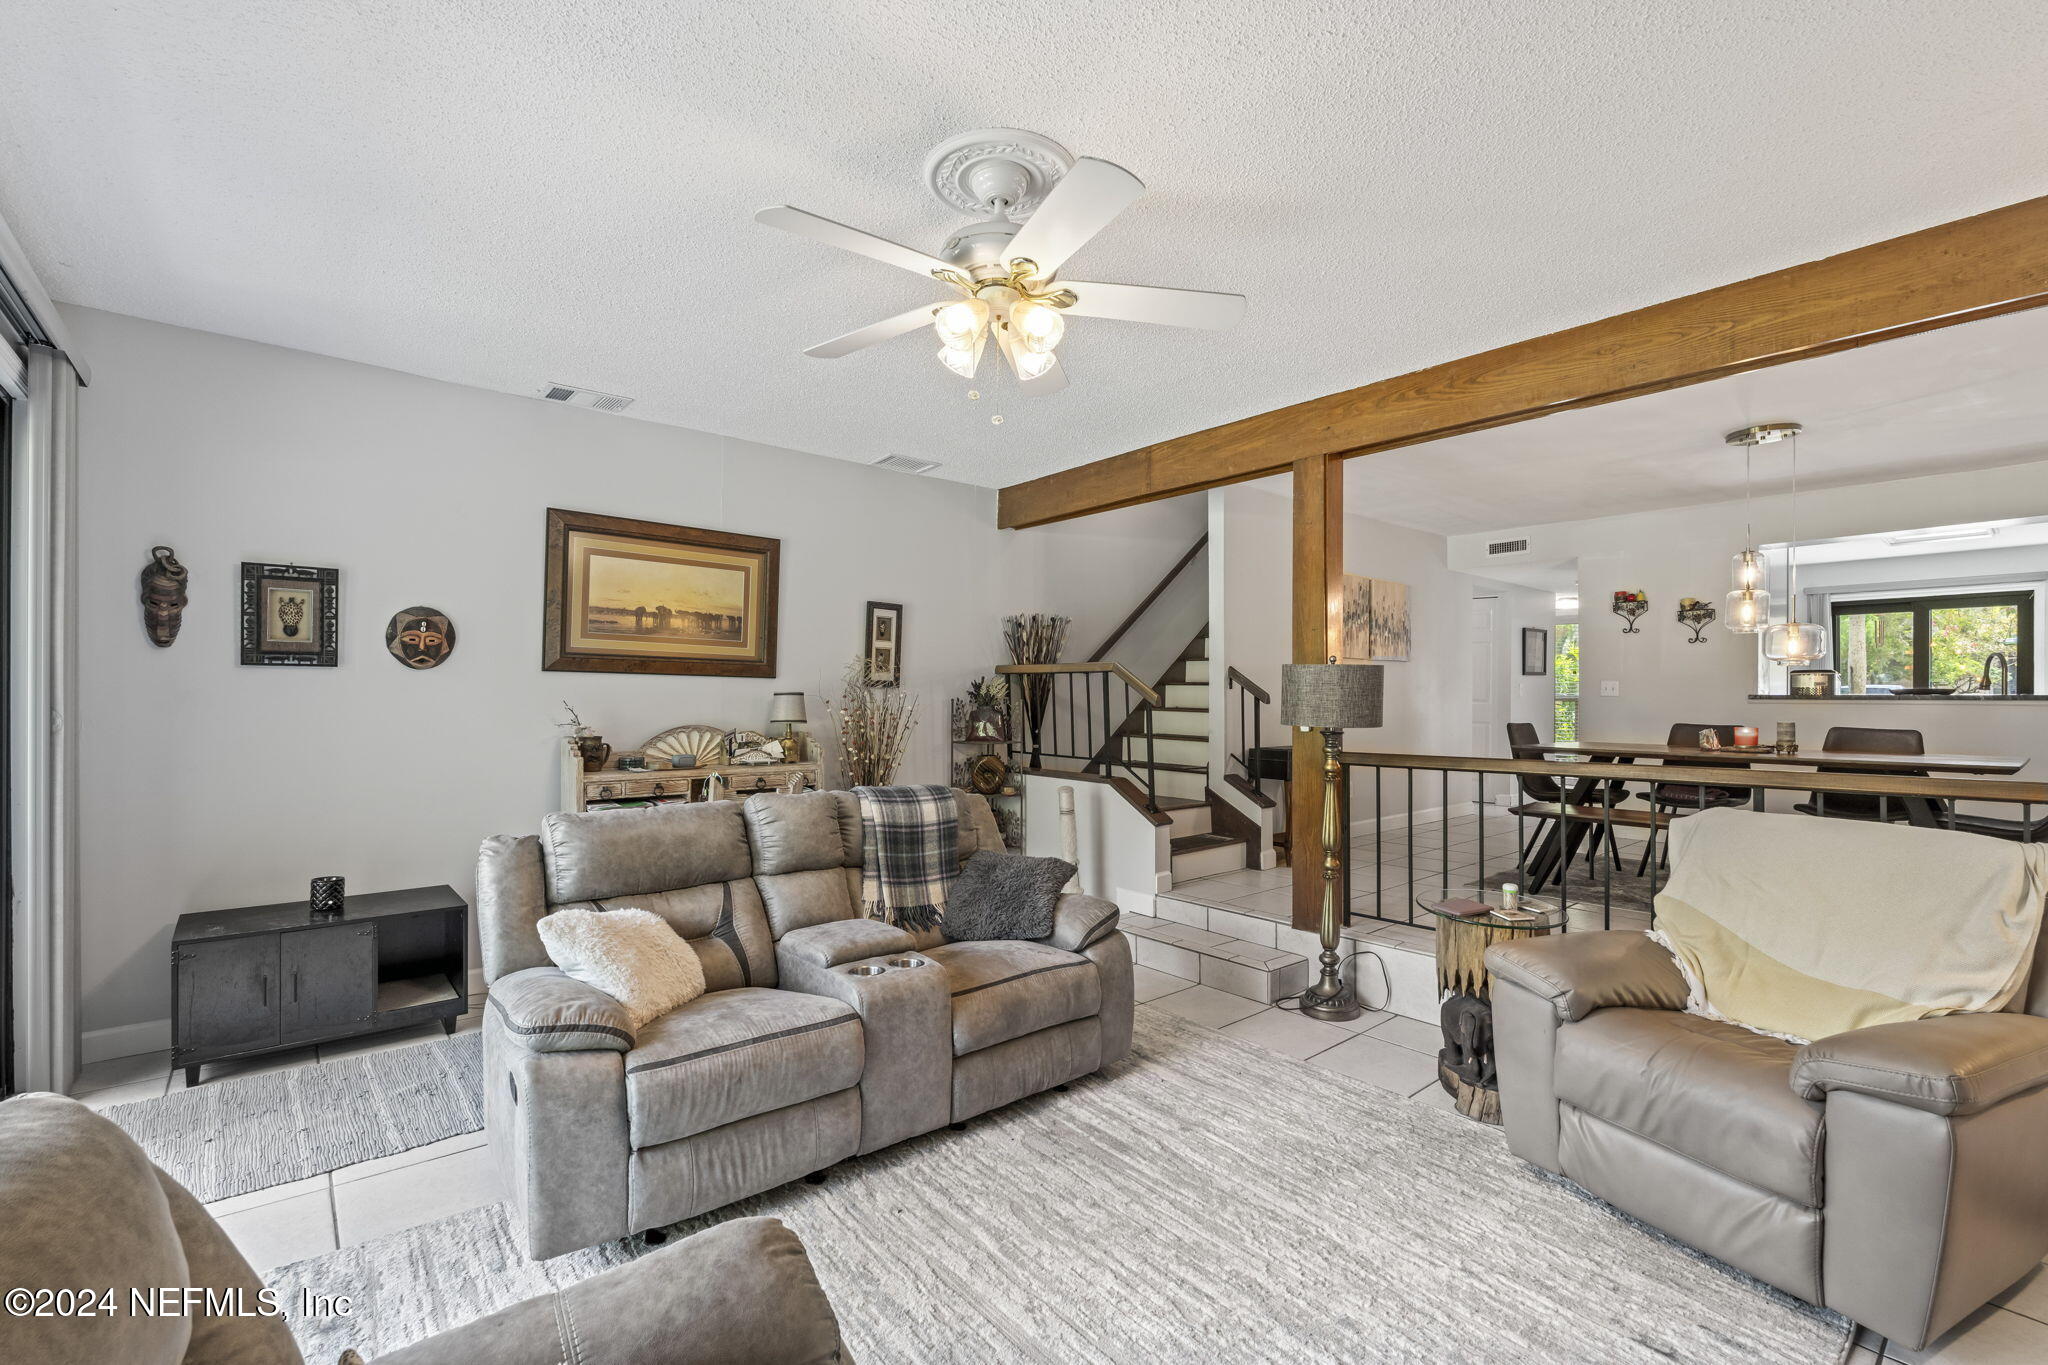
(1973, 396)
(510, 192)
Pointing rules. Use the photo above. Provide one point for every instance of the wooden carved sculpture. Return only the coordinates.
(1468, 1035)
(163, 596)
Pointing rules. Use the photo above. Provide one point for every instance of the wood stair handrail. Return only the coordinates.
(1233, 676)
(1153, 596)
(1123, 786)
(1957, 788)
(1091, 666)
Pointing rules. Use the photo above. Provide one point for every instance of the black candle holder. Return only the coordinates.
(328, 896)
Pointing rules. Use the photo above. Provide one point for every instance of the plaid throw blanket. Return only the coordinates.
(911, 841)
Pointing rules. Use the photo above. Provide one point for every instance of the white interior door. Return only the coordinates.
(1489, 686)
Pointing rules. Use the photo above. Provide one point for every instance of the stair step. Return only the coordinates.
(1197, 671)
(1187, 696)
(1183, 721)
(1189, 750)
(1251, 970)
(1191, 843)
(1205, 855)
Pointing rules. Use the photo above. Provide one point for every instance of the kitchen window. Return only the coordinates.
(1925, 644)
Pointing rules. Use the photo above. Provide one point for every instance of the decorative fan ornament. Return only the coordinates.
(703, 745)
(1005, 271)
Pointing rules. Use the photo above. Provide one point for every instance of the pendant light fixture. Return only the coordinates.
(1747, 609)
(1791, 641)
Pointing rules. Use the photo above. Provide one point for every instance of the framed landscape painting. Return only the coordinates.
(627, 596)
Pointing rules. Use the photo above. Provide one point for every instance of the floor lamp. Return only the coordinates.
(1333, 698)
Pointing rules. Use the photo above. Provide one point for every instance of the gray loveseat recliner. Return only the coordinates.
(791, 1060)
(82, 1206)
(1896, 1174)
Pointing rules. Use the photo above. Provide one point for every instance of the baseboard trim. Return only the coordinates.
(123, 1040)
(1455, 809)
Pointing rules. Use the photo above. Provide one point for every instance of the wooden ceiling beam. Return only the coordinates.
(1978, 267)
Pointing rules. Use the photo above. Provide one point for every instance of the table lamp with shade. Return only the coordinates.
(1332, 698)
(788, 708)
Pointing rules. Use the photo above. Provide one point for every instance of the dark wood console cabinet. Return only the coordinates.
(268, 977)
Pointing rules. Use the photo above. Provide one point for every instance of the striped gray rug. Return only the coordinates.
(1206, 1201)
(248, 1133)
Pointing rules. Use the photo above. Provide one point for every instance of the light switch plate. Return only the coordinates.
(1610, 689)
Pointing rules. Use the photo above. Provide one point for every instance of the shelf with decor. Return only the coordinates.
(685, 763)
(981, 744)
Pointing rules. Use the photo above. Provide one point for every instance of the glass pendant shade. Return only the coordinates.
(962, 325)
(1749, 570)
(961, 360)
(1038, 327)
(1031, 364)
(1746, 611)
(1795, 642)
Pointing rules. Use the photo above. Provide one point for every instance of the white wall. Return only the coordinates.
(1428, 698)
(1685, 552)
(206, 784)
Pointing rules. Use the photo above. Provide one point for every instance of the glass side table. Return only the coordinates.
(1465, 1066)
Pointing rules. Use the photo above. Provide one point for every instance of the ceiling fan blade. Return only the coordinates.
(849, 239)
(873, 334)
(1080, 206)
(1155, 303)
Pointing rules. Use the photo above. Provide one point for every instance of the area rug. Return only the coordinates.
(246, 1133)
(1206, 1200)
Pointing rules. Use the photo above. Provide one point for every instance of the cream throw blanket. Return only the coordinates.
(1801, 927)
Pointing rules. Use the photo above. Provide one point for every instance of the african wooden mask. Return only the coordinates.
(420, 637)
(163, 595)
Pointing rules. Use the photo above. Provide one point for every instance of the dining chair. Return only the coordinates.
(1671, 799)
(1547, 791)
(1856, 805)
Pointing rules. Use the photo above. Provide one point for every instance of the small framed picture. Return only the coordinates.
(290, 615)
(1535, 651)
(884, 649)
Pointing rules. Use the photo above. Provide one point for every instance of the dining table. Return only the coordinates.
(1565, 841)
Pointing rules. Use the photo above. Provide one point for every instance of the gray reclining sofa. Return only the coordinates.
(794, 1058)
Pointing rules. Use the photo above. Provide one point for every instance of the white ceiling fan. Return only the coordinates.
(1004, 271)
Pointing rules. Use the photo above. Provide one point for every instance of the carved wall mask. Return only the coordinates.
(420, 637)
(163, 596)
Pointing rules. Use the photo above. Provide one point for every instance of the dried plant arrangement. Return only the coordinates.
(875, 721)
(1036, 638)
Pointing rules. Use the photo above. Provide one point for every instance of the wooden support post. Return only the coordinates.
(1318, 629)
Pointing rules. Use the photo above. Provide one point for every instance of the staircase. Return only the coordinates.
(1177, 753)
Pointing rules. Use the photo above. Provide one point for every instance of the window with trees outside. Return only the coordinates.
(1934, 643)
(1564, 667)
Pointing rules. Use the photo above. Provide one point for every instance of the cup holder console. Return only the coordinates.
(866, 969)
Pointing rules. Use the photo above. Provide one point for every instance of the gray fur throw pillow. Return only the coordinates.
(1004, 895)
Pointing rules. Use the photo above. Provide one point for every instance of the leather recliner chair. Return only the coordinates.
(1897, 1174)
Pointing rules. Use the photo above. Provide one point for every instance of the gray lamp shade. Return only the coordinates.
(1332, 696)
(787, 706)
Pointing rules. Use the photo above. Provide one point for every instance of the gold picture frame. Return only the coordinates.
(630, 596)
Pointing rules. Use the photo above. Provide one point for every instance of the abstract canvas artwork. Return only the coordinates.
(1357, 635)
(626, 596)
(1389, 621)
(1375, 620)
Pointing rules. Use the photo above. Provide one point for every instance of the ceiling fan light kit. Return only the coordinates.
(1004, 270)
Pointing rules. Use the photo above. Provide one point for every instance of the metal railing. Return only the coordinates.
(1566, 813)
(1093, 717)
(1252, 700)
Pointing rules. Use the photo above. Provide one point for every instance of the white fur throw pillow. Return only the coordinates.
(631, 955)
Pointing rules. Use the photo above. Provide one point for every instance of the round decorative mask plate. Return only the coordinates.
(420, 637)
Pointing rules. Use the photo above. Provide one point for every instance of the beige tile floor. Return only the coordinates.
(1397, 1054)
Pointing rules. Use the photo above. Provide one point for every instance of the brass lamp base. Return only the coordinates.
(1331, 999)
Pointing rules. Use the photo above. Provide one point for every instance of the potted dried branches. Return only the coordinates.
(875, 721)
(1036, 638)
